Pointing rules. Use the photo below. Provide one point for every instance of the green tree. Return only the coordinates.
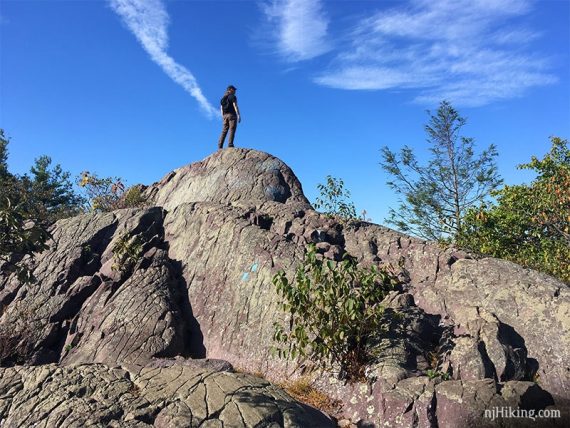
(334, 199)
(335, 310)
(435, 197)
(20, 233)
(530, 223)
(19, 236)
(3, 155)
(51, 191)
(6, 179)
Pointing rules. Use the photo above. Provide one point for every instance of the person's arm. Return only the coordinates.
(237, 111)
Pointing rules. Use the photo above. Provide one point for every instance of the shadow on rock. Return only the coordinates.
(194, 346)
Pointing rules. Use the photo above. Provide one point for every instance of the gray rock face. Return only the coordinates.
(198, 285)
(83, 310)
(163, 397)
(518, 318)
(236, 177)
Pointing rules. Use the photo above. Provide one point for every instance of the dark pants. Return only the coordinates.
(230, 123)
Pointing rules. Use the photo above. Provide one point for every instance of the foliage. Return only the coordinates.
(30, 203)
(530, 223)
(334, 308)
(51, 192)
(133, 197)
(19, 237)
(109, 194)
(46, 195)
(3, 155)
(127, 252)
(21, 231)
(436, 196)
(334, 199)
(103, 194)
(436, 374)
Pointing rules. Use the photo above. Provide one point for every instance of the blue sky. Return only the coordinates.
(131, 88)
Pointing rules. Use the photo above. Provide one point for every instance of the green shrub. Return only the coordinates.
(334, 310)
(436, 374)
(109, 194)
(335, 200)
(133, 197)
(127, 252)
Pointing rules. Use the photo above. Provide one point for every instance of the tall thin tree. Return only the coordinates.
(434, 197)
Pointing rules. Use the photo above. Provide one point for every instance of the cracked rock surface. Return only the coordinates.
(173, 396)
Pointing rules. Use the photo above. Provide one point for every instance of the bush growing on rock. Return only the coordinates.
(335, 200)
(127, 252)
(334, 309)
(19, 237)
(109, 194)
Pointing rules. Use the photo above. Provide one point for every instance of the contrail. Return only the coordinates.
(148, 20)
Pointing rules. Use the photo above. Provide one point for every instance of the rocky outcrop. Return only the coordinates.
(423, 402)
(194, 281)
(230, 177)
(84, 309)
(515, 321)
(168, 396)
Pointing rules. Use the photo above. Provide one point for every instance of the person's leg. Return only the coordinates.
(225, 127)
(232, 124)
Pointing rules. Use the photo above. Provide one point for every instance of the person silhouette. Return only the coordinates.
(230, 116)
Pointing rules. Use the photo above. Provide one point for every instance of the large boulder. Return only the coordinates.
(230, 177)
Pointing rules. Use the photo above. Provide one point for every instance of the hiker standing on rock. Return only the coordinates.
(230, 115)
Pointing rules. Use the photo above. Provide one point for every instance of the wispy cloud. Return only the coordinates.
(301, 28)
(466, 51)
(148, 20)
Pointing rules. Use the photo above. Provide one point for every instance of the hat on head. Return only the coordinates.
(231, 87)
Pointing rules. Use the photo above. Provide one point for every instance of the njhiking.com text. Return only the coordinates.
(507, 412)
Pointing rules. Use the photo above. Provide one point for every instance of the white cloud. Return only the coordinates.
(467, 51)
(302, 27)
(148, 21)
(514, 37)
(365, 77)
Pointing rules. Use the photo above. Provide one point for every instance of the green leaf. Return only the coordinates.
(333, 311)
